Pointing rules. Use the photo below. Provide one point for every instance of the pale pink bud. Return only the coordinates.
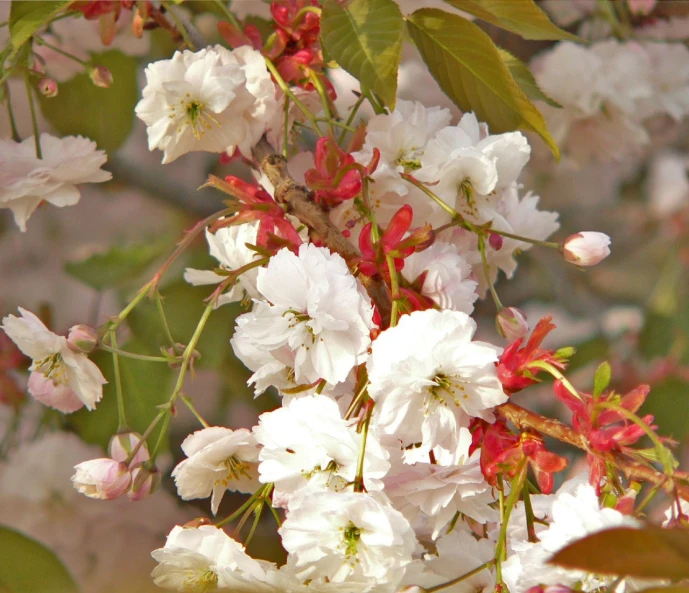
(511, 323)
(495, 241)
(144, 482)
(102, 478)
(122, 445)
(101, 76)
(82, 338)
(586, 248)
(641, 7)
(48, 87)
(60, 397)
(138, 24)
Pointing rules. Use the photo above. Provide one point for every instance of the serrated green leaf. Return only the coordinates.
(28, 16)
(649, 552)
(145, 385)
(365, 38)
(522, 17)
(521, 73)
(27, 566)
(601, 379)
(118, 265)
(468, 67)
(106, 116)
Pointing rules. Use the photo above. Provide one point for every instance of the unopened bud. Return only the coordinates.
(102, 478)
(495, 241)
(47, 87)
(198, 522)
(122, 445)
(138, 24)
(101, 76)
(511, 323)
(145, 481)
(82, 338)
(586, 248)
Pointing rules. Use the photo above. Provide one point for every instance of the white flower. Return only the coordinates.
(308, 442)
(669, 74)
(315, 327)
(102, 478)
(219, 459)
(26, 181)
(668, 183)
(586, 248)
(428, 378)
(60, 378)
(347, 536)
(206, 558)
(213, 100)
(447, 276)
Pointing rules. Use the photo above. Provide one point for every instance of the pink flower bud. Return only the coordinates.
(138, 24)
(102, 478)
(121, 446)
(586, 248)
(48, 87)
(144, 482)
(511, 323)
(101, 76)
(82, 338)
(495, 241)
(60, 397)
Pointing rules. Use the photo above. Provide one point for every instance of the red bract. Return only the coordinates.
(274, 231)
(513, 367)
(301, 25)
(336, 177)
(502, 452)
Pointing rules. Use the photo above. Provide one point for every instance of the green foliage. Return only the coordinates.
(365, 38)
(27, 566)
(118, 265)
(650, 552)
(103, 115)
(28, 16)
(145, 385)
(669, 404)
(601, 379)
(521, 73)
(469, 68)
(522, 17)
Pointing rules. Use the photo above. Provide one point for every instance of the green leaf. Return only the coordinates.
(27, 566)
(28, 16)
(118, 265)
(650, 552)
(521, 73)
(103, 115)
(601, 379)
(145, 385)
(522, 17)
(365, 38)
(669, 404)
(468, 67)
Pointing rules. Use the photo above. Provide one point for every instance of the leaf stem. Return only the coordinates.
(486, 272)
(121, 415)
(34, 119)
(318, 84)
(350, 119)
(10, 114)
(133, 355)
(464, 577)
(179, 25)
(228, 13)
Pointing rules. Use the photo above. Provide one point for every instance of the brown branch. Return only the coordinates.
(634, 470)
(300, 203)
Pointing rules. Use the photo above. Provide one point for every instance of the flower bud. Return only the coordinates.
(586, 248)
(495, 241)
(144, 482)
(511, 323)
(101, 76)
(48, 87)
(138, 24)
(122, 445)
(104, 479)
(82, 338)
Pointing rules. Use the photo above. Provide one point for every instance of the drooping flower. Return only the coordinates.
(102, 478)
(315, 326)
(213, 100)
(26, 181)
(60, 378)
(219, 459)
(586, 248)
(428, 378)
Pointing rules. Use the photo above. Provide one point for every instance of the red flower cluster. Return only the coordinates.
(502, 452)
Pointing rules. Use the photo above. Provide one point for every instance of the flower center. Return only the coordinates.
(351, 537)
(235, 470)
(200, 583)
(194, 114)
(465, 191)
(447, 386)
(409, 159)
(52, 368)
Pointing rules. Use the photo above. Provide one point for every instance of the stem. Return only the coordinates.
(359, 478)
(351, 117)
(324, 99)
(377, 108)
(285, 138)
(114, 324)
(194, 411)
(486, 272)
(257, 516)
(62, 52)
(515, 490)
(145, 435)
(528, 511)
(549, 368)
(549, 244)
(649, 497)
(121, 416)
(117, 351)
(34, 120)
(10, 114)
(394, 288)
(285, 89)
(228, 13)
(451, 211)
(161, 311)
(356, 401)
(465, 576)
(179, 25)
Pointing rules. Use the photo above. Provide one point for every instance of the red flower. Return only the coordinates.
(336, 178)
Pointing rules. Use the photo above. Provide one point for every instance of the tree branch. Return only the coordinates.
(523, 418)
